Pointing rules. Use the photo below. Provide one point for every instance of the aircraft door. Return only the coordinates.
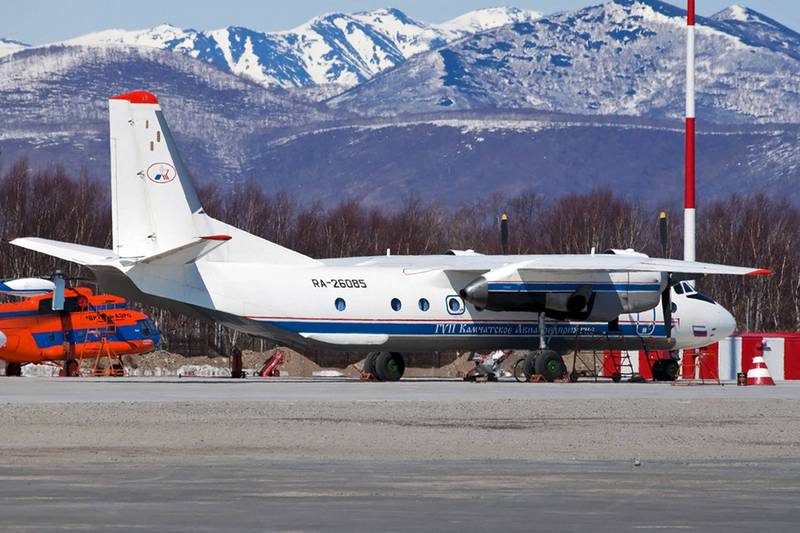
(646, 323)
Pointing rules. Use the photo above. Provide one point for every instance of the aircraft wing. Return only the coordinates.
(609, 263)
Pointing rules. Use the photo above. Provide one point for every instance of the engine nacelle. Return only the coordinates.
(601, 299)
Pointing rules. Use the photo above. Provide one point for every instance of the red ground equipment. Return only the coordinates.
(271, 366)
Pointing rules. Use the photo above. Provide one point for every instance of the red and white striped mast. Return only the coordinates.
(689, 203)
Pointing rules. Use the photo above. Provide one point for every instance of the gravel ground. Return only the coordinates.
(196, 421)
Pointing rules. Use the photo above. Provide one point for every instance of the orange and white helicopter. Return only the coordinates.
(56, 323)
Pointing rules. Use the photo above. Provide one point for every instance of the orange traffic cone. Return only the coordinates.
(759, 374)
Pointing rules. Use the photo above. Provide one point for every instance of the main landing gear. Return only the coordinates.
(14, 369)
(72, 369)
(384, 366)
(543, 362)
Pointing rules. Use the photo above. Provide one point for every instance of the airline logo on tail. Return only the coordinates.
(161, 172)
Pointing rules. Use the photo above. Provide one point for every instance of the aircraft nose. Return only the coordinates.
(726, 323)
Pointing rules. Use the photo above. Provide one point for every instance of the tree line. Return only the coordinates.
(740, 230)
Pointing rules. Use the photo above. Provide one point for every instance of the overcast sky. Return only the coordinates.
(42, 21)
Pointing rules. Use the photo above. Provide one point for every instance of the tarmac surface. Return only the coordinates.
(432, 455)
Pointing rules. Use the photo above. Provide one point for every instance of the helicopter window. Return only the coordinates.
(71, 305)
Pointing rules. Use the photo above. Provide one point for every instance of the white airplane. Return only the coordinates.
(168, 252)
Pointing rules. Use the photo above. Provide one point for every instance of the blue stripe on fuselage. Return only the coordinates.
(80, 336)
(487, 329)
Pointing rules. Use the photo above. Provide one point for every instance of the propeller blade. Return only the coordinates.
(663, 228)
(58, 291)
(666, 307)
(504, 233)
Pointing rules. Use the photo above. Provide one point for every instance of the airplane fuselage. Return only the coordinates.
(406, 305)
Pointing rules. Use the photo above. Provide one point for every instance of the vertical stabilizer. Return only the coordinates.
(153, 199)
(155, 208)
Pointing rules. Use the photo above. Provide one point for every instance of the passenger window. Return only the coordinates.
(396, 304)
(340, 304)
(424, 304)
(455, 305)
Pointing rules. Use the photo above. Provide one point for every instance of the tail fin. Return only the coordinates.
(155, 207)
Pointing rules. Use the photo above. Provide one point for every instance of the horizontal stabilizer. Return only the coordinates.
(185, 253)
(76, 253)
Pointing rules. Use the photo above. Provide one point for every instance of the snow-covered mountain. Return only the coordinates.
(9, 46)
(337, 48)
(624, 57)
(521, 102)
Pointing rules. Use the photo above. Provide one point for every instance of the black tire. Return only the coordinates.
(389, 366)
(71, 368)
(519, 370)
(550, 365)
(658, 370)
(616, 377)
(14, 369)
(671, 369)
(369, 363)
(529, 365)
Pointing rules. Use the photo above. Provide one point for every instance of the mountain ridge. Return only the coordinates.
(335, 48)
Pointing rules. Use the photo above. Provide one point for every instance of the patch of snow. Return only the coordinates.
(326, 373)
(486, 19)
(9, 46)
(205, 371)
(737, 12)
(40, 371)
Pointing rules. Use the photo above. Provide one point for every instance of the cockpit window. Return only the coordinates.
(679, 288)
(148, 328)
(702, 297)
(688, 289)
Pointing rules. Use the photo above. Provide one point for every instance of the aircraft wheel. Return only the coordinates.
(671, 369)
(550, 365)
(529, 365)
(72, 369)
(369, 363)
(14, 369)
(389, 366)
(658, 370)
